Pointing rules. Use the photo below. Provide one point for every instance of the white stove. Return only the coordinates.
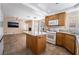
(51, 37)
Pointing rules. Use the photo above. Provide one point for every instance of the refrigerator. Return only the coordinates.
(1, 32)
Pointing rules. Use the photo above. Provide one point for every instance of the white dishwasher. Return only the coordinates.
(51, 37)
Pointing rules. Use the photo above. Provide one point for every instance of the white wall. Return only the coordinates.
(11, 30)
(23, 25)
(1, 20)
(17, 10)
(73, 17)
(1, 31)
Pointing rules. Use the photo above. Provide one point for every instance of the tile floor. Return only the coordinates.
(16, 45)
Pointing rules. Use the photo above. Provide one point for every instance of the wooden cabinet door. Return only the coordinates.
(59, 39)
(46, 21)
(53, 17)
(70, 43)
(33, 44)
(41, 44)
(61, 18)
(67, 41)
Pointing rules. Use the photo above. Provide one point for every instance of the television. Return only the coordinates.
(13, 24)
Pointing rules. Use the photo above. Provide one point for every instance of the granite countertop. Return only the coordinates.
(76, 35)
(35, 33)
(44, 33)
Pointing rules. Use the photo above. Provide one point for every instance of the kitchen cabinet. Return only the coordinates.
(48, 18)
(51, 17)
(41, 43)
(67, 41)
(61, 18)
(70, 43)
(59, 39)
(37, 44)
(33, 44)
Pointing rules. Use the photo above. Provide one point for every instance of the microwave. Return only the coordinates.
(53, 22)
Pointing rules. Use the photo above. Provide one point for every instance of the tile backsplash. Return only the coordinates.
(57, 28)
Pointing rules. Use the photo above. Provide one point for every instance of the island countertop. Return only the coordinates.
(34, 33)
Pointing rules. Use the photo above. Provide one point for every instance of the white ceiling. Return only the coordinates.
(34, 9)
(47, 8)
(52, 7)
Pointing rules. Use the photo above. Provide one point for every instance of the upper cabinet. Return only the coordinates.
(60, 17)
(53, 17)
(49, 18)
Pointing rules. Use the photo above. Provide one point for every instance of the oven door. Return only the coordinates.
(51, 38)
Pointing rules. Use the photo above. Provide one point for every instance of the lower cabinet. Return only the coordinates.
(59, 39)
(67, 41)
(36, 44)
(70, 43)
(33, 44)
(41, 43)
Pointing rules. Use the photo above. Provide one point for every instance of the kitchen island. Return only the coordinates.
(36, 42)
